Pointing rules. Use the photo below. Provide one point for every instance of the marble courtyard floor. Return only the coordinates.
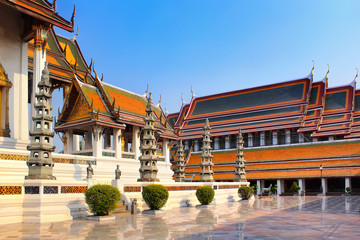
(309, 217)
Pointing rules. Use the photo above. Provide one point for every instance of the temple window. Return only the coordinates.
(37, 139)
(40, 111)
(221, 142)
(246, 140)
(47, 140)
(46, 155)
(323, 139)
(46, 126)
(281, 137)
(338, 137)
(38, 124)
(36, 154)
(256, 139)
(294, 136)
(233, 141)
(268, 138)
(46, 111)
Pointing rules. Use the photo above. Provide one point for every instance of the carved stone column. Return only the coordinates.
(148, 159)
(240, 175)
(196, 145)
(216, 143)
(180, 163)
(97, 132)
(262, 138)
(40, 163)
(117, 140)
(206, 166)
(287, 136)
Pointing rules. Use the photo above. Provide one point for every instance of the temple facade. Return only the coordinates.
(289, 130)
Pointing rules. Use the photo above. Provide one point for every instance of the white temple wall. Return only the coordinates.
(14, 58)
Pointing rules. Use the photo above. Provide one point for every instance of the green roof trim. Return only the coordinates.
(248, 115)
(251, 99)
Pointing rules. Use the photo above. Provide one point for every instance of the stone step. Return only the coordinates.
(121, 207)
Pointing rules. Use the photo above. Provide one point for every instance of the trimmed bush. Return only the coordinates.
(255, 187)
(102, 199)
(155, 196)
(245, 192)
(205, 194)
(274, 188)
(295, 188)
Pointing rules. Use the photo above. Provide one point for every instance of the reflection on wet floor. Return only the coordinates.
(278, 218)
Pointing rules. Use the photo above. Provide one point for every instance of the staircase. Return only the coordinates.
(120, 208)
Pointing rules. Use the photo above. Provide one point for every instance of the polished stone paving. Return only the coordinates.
(307, 217)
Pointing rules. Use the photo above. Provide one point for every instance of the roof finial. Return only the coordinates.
(147, 89)
(182, 99)
(327, 71)
(357, 73)
(91, 65)
(96, 76)
(192, 92)
(54, 5)
(73, 17)
(102, 77)
(166, 112)
(76, 34)
(159, 101)
(312, 70)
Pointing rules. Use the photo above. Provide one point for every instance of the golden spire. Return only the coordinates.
(312, 70)
(357, 74)
(73, 17)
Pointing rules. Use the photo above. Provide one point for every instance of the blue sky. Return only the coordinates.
(215, 46)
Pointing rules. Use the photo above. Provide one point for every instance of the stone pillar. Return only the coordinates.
(88, 140)
(135, 145)
(262, 138)
(148, 159)
(206, 165)
(240, 174)
(227, 142)
(301, 137)
(68, 147)
(40, 164)
(324, 185)
(117, 142)
(301, 183)
(347, 182)
(314, 139)
(275, 138)
(250, 140)
(258, 183)
(180, 164)
(97, 132)
(287, 136)
(196, 145)
(76, 142)
(331, 138)
(216, 143)
(166, 150)
(186, 145)
(279, 183)
(39, 62)
(107, 139)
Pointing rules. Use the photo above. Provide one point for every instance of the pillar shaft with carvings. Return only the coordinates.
(240, 175)
(206, 166)
(180, 163)
(41, 164)
(148, 159)
(5, 86)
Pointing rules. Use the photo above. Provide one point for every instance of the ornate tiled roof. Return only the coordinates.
(275, 106)
(42, 10)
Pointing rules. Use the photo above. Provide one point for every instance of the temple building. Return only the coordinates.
(290, 129)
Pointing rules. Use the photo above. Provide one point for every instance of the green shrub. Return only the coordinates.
(295, 188)
(205, 194)
(348, 190)
(245, 192)
(102, 199)
(274, 188)
(155, 196)
(255, 187)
